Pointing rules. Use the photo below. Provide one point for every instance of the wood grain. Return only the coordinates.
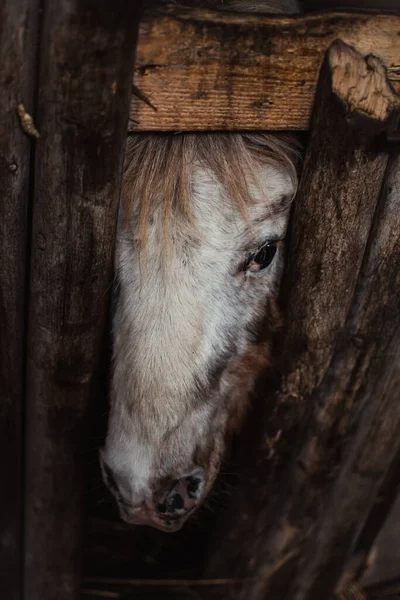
(207, 70)
(327, 437)
(18, 21)
(86, 60)
(358, 402)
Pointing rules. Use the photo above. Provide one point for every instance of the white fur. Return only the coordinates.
(179, 311)
(184, 309)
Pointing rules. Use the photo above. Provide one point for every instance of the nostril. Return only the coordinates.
(193, 484)
(162, 507)
(183, 496)
(174, 503)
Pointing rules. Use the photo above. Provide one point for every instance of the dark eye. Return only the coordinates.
(260, 260)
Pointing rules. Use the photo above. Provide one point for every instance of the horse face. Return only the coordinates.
(192, 315)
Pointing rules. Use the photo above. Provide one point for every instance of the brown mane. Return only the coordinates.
(159, 167)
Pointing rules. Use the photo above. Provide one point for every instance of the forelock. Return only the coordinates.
(159, 171)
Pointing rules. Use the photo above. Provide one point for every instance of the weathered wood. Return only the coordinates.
(329, 434)
(377, 552)
(86, 59)
(201, 69)
(341, 180)
(361, 388)
(17, 50)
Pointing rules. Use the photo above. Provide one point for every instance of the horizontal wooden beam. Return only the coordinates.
(206, 70)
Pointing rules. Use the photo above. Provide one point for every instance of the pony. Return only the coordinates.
(199, 258)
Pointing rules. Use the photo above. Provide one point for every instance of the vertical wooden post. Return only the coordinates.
(357, 400)
(86, 61)
(314, 465)
(18, 23)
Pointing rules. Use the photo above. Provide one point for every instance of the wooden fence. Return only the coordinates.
(318, 453)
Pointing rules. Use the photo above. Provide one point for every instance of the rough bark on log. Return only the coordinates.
(18, 21)
(86, 58)
(202, 69)
(328, 434)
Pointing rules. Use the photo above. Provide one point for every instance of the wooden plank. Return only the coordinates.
(365, 373)
(325, 440)
(86, 60)
(17, 49)
(377, 552)
(208, 70)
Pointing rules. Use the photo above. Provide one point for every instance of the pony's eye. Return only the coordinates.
(261, 259)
